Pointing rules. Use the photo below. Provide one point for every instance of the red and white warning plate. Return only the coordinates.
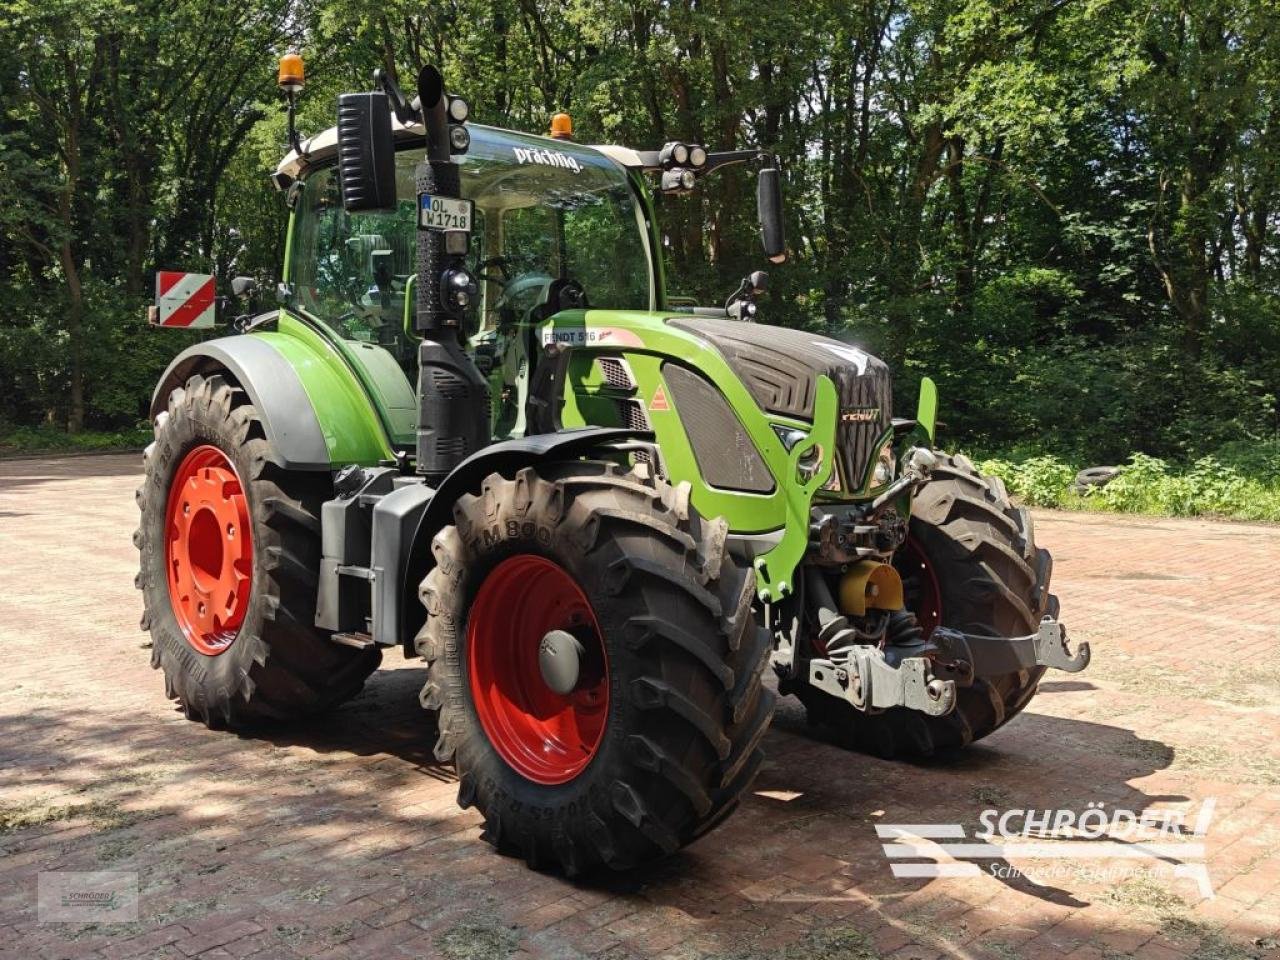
(184, 299)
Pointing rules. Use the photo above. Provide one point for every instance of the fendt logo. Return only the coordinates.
(1044, 845)
(860, 415)
(548, 158)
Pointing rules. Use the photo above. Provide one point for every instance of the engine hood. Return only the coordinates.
(781, 366)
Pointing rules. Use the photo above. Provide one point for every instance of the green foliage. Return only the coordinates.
(1065, 213)
(32, 440)
(1240, 481)
(1037, 481)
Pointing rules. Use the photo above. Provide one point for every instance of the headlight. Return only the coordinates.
(789, 436)
(809, 463)
(883, 473)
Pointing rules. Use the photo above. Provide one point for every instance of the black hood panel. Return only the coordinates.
(780, 366)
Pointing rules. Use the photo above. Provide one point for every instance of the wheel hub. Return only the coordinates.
(208, 550)
(560, 660)
(537, 668)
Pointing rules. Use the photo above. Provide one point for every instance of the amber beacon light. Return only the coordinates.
(292, 74)
(561, 127)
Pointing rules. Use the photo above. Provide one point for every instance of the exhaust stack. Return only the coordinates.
(453, 398)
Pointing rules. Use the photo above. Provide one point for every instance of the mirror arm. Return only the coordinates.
(728, 157)
(405, 111)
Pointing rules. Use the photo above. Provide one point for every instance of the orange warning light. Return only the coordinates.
(561, 127)
(292, 74)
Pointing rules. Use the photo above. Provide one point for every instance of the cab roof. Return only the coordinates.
(323, 148)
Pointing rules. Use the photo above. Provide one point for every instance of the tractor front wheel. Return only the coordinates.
(970, 563)
(596, 665)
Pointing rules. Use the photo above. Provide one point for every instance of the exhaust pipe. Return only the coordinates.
(453, 397)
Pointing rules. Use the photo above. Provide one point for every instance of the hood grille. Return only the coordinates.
(856, 437)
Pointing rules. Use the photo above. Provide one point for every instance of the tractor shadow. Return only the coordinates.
(385, 719)
(311, 816)
(806, 836)
(813, 799)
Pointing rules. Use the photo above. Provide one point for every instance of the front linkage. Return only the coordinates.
(863, 647)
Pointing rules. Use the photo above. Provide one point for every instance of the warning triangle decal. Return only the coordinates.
(659, 401)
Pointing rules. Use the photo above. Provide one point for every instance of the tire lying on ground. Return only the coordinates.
(970, 563)
(230, 554)
(658, 737)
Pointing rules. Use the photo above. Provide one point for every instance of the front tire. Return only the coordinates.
(660, 738)
(970, 563)
(229, 548)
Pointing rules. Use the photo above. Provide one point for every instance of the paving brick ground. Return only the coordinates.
(342, 839)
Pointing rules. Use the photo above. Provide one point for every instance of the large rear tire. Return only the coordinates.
(229, 549)
(970, 563)
(660, 737)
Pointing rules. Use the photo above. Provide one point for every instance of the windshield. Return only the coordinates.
(543, 211)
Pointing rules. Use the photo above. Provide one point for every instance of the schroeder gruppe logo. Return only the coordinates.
(100, 896)
(1042, 844)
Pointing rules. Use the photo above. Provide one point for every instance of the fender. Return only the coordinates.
(314, 412)
(402, 537)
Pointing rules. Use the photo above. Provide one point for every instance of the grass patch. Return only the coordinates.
(1239, 482)
(32, 440)
(103, 815)
(832, 943)
(990, 796)
(478, 939)
(837, 942)
(1251, 768)
(1144, 896)
(1252, 687)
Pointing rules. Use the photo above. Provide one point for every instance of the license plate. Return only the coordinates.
(443, 213)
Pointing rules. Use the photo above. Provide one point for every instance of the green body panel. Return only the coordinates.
(927, 408)
(352, 428)
(646, 341)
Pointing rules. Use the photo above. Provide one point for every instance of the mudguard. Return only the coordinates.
(273, 387)
(314, 412)
(412, 553)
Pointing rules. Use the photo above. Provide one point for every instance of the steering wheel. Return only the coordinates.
(516, 294)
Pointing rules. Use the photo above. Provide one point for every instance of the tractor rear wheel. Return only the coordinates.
(230, 554)
(970, 563)
(596, 665)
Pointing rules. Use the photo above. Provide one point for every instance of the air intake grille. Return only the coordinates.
(865, 409)
(616, 374)
(632, 416)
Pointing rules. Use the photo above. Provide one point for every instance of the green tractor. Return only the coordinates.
(478, 430)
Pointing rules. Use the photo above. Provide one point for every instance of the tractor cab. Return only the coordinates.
(554, 222)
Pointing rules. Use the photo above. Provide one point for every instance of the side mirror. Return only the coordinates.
(769, 209)
(366, 152)
(242, 288)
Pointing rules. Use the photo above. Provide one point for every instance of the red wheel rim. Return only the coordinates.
(208, 550)
(923, 595)
(544, 736)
